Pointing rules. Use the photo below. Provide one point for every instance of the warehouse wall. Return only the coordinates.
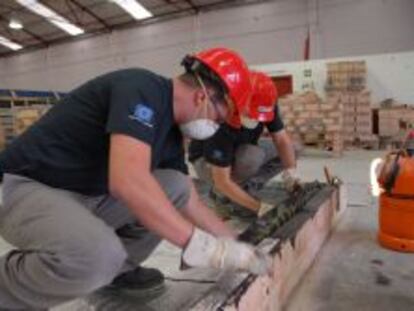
(388, 75)
(269, 32)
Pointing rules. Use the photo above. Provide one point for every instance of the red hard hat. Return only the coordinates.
(234, 120)
(233, 72)
(264, 97)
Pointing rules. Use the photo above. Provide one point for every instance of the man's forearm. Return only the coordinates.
(153, 209)
(203, 217)
(285, 148)
(235, 193)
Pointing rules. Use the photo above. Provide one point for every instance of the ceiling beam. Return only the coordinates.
(13, 40)
(73, 12)
(193, 6)
(25, 30)
(57, 11)
(160, 17)
(91, 13)
(177, 5)
(37, 37)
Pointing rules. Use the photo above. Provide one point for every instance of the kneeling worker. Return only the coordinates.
(90, 189)
(233, 154)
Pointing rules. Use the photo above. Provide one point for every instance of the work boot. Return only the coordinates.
(139, 280)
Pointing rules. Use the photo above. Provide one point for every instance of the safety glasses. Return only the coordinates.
(220, 107)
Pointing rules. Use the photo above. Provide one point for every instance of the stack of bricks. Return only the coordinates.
(356, 115)
(346, 88)
(346, 76)
(335, 119)
(394, 121)
(302, 118)
(344, 119)
(310, 120)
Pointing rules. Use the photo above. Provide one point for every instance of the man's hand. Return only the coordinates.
(205, 250)
(264, 208)
(291, 179)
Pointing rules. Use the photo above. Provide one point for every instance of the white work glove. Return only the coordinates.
(205, 250)
(264, 208)
(291, 179)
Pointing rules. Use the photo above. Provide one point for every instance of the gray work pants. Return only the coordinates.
(67, 243)
(248, 159)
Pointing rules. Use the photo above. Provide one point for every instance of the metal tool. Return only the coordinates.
(330, 179)
(264, 227)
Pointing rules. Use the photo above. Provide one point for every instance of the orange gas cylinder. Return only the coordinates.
(396, 212)
(396, 223)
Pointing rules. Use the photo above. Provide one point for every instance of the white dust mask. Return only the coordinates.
(248, 122)
(199, 129)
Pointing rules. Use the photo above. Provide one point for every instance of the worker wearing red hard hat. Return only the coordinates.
(234, 154)
(90, 189)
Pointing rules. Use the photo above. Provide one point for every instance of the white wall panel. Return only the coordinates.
(388, 75)
(269, 32)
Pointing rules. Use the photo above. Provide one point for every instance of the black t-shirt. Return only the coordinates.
(220, 149)
(68, 148)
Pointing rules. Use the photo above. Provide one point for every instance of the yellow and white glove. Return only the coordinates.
(291, 179)
(205, 250)
(264, 208)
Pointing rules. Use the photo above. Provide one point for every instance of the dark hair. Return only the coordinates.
(210, 78)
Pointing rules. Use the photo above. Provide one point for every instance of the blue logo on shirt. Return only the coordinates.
(217, 154)
(143, 114)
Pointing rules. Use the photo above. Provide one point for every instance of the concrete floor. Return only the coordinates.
(352, 272)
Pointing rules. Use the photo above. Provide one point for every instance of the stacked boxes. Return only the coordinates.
(25, 117)
(301, 114)
(312, 121)
(15, 119)
(346, 76)
(345, 118)
(355, 108)
(394, 122)
(2, 138)
(21, 108)
(335, 120)
(393, 119)
(346, 84)
(6, 124)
